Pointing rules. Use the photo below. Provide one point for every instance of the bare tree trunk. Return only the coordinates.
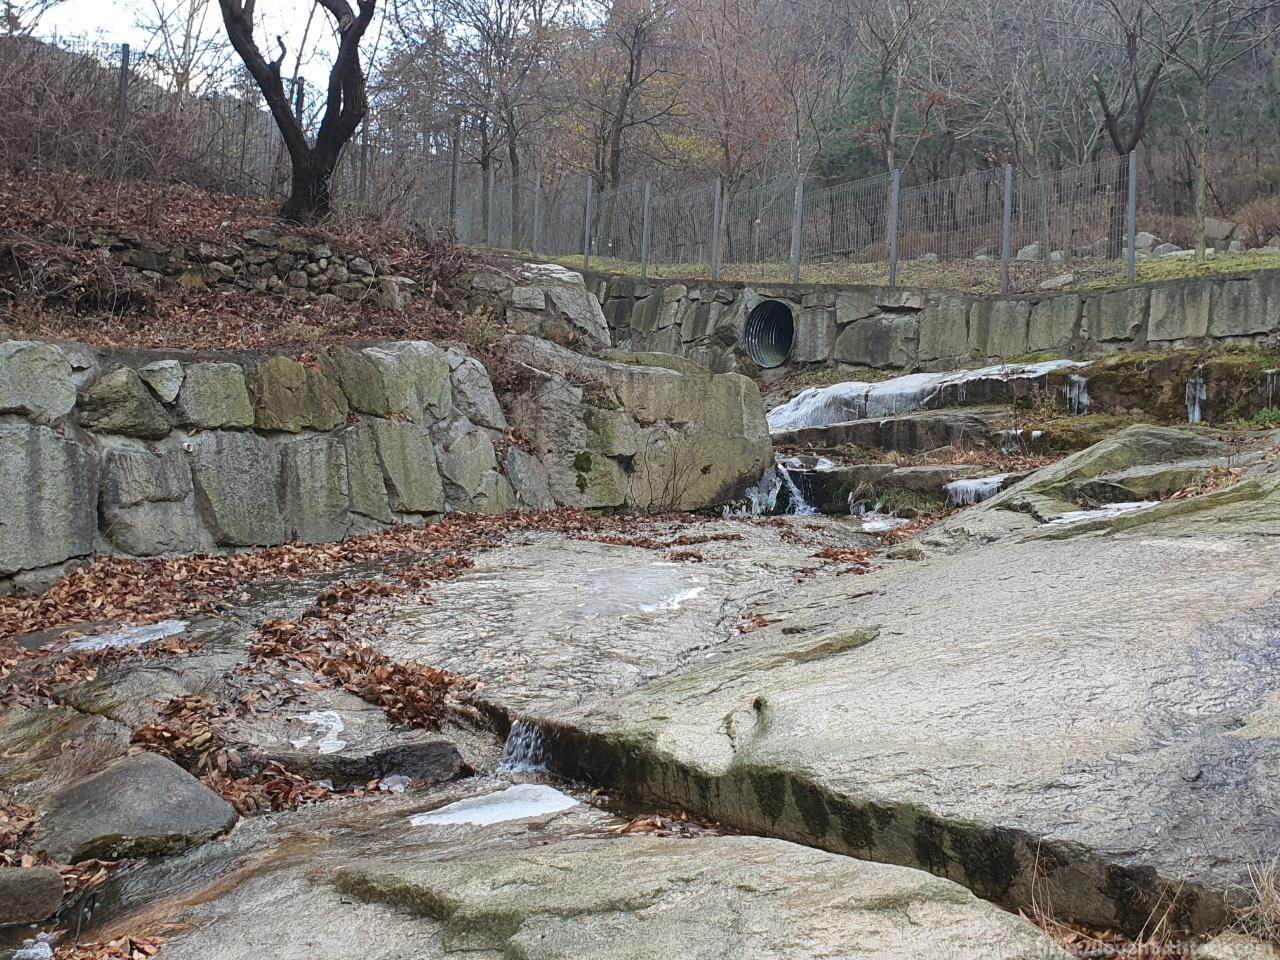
(1202, 168)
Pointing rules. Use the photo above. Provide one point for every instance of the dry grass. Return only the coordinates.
(1261, 916)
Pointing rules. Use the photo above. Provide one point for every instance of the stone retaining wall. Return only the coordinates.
(163, 452)
(918, 329)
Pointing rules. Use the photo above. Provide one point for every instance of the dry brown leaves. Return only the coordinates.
(1218, 478)
(914, 528)
(29, 679)
(752, 622)
(1106, 945)
(142, 591)
(124, 948)
(853, 561)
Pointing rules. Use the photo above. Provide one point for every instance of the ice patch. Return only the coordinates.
(965, 493)
(127, 636)
(674, 601)
(520, 802)
(331, 724)
(760, 499)
(875, 522)
(860, 400)
(1103, 512)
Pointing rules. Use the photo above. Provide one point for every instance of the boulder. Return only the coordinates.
(314, 494)
(409, 472)
(614, 434)
(568, 300)
(29, 894)
(1117, 316)
(646, 898)
(49, 513)
(473, 396)
(408, 379)
(1179, 311)
(944, 329)
(121, 403)
(35, 380)
(292, 397)
(366, 488)
(164, 377)
(529, 480)
(213, 396)
(998, 328)
(1165, 249)
(141, 806)
(1145, 241)
(1218, 231)
(1031, 252)
(1053, 323)
(237, 482)
(815, 335)
(468, 465)
(148, 504)
(887, 340)
(334, 735)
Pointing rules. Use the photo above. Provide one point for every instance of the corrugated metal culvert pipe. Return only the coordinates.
(770, 333)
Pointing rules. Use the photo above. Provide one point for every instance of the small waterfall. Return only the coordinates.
(965, 493)
(800, 507)
(1197, 393)
(525, 750)
(1077, 394)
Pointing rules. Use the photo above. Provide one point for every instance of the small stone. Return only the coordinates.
(360, 267)
(261, 238)
(292, 243)
(29, 894)
(1058, 282)
(1164, 249)
(164, 377)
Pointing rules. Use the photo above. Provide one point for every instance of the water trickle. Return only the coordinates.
(525, 750)
(1077, 394)
(1197, 393)
(1271, 387)
(800, 507)
(965, 493)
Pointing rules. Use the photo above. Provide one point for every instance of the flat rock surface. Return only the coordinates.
(359, 881)
(1094, 714)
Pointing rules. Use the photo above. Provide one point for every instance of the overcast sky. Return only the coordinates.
(116, 21)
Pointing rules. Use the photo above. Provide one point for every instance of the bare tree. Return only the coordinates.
(1213, 34)
(21, 17)
(345, 105)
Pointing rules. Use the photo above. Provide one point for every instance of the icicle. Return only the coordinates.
(1271, 387)
(965, 493)
(1077, 394)
(761, 498)
(1196, 394)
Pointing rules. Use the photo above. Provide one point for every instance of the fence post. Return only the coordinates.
(491, 228)
(646, 233)
(715, 233)
(797, 225)
(586, 225)
(895, 201)
(122, 103)
(1131, 229)
(1006, 228)
(537, 213)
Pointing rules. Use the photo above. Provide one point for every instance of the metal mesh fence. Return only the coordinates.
(88, 107)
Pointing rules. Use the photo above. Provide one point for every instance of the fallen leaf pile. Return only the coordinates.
(31, 679)
(914, 528)
(1218, 478)
(1106, 945)
(752, 622)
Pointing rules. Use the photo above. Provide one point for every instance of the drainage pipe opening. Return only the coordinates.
(770, 334)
